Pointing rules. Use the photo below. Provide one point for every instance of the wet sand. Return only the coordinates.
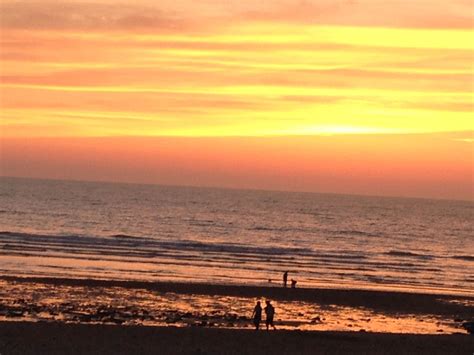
(389, 302)
(59, 338)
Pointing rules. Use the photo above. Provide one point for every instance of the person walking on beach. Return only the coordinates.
(269, 315)
(257, 315)
(285, 279)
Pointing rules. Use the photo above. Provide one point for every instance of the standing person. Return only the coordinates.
(285, 279)
(257, 315)
(269, 315)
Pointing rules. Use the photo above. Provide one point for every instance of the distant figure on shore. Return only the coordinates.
(293, 283)
(285, 278)
(257, 315)
(269, 315)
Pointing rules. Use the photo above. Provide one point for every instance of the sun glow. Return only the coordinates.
(253, 78)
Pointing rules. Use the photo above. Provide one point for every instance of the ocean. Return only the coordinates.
(70, 229)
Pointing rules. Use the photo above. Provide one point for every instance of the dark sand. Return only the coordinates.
(58, 338)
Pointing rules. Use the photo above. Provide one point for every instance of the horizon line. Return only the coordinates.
(235, 188)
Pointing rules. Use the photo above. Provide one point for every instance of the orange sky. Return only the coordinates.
(345, 96)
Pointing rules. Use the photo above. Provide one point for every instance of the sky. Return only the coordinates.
(364, 97)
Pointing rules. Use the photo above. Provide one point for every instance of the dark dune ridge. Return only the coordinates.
(58, 338)
(388, 302)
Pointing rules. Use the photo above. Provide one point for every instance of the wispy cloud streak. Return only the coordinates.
(234, 68)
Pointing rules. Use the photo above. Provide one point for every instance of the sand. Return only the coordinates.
(59, 338)
(63, 335)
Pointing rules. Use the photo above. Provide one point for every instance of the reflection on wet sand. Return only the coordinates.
(135, 306)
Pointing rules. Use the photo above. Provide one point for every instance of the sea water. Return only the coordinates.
(163, 233)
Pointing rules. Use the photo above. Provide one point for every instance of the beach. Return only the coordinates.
(79, 316)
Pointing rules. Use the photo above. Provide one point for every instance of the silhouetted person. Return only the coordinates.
(269, 315)
(257, 315)
(293, 283)
(285, 278)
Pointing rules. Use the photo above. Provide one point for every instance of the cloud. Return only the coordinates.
(302, 11)
(467, 140)
(413, 14)
(84, 16)
(184, 14)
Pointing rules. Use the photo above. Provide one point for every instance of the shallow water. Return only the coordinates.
(124, 231)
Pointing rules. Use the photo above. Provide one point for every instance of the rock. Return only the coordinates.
(114, 320)
(469, 326)
(117, 321)
(13, 313)
(173, 319)
(231, 316)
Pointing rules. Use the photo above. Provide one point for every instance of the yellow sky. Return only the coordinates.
(235, 69)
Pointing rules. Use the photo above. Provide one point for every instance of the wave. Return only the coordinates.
(123, 245)
(181, 258)
(122, 236)
(131, 244)
(463, 257)
(278, 229)
(356, 232)
(408, 254)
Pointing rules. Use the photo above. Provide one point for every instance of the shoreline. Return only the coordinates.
(59, 338)
(389, 302)
(274, 283)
